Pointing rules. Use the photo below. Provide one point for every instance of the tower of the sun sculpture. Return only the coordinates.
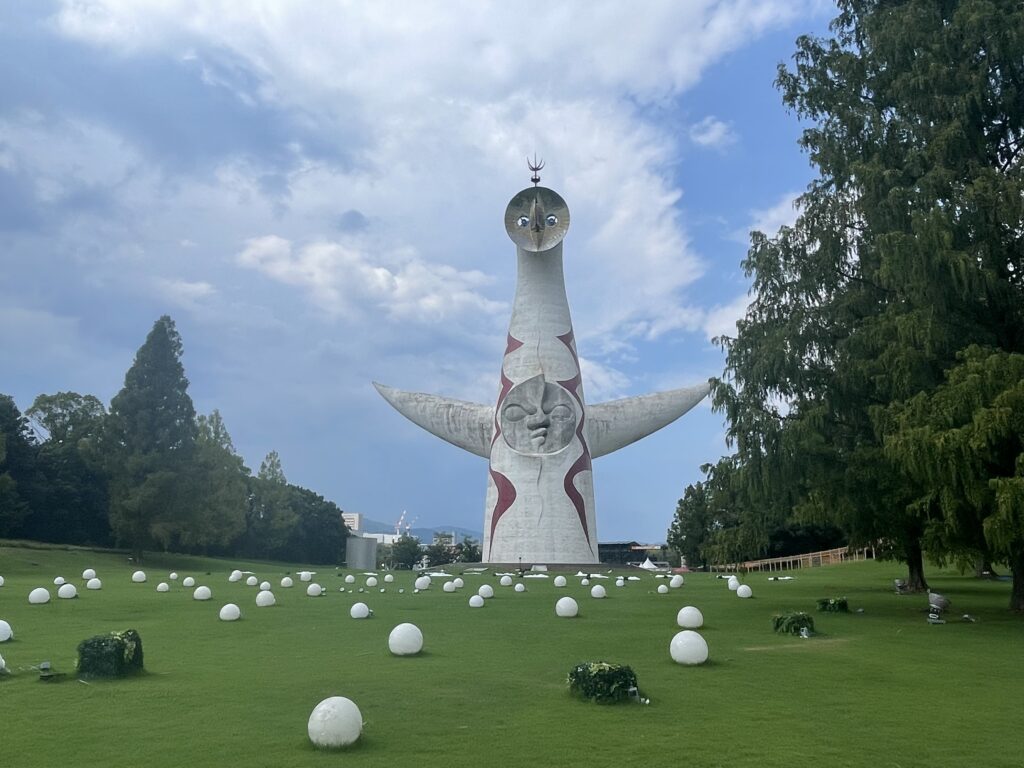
(541, 435)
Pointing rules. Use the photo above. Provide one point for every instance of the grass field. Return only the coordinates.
(878, 688)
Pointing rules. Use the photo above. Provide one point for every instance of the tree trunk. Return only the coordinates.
(1017, 591)
(983, 568)
(915, 567)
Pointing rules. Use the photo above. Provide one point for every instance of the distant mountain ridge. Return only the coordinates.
(424, 534)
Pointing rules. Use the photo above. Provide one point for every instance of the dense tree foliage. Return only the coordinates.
(908, 249)
(150, 473)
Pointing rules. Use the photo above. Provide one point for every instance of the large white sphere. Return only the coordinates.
(506, 581)
(202, 593)
(314, 590)
(423, 582)
(476, 602)
(359, 611)
(89, 573)
(520, 587)
(58, 581)
(230, 612)
(173, 576)
(676, 581)
(663, 589)
(620, 582)
(139, 577)
(405, 640)
(448, 586)
(264, 586)
(335, 722)
(559, 581)
(1, 581)
(6, 633)
(688, 647)
(188, 581)
(388, 578)
(38, 596)
(286, 582)
(743, 590)
(486, 591)
(265, 598)
(235, 576)
(371, 581)
(584, 582)
(597, 591)
(690, 618)
(566, 607)
(163, 586)
(350, 579)
(94, 583)
(459, 583)
(67, 591)
(252, 581)
(733, 583)
(305, 576)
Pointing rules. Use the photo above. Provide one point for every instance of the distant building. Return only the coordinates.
(630, 552)
(353, 521)
(382, 538)
(444, 538)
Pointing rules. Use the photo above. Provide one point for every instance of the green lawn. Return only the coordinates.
(878, 688)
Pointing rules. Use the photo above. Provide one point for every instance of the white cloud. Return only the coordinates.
(184, 293)
(712, 132)
(721, 320)
(602, 382)
(769, 220)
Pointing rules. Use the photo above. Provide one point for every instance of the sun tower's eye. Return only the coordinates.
(523, 221)
(551, 220)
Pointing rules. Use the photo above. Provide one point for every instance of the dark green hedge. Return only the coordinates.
(603, 682)
(114, 655)
(834, 604)
(791, 623)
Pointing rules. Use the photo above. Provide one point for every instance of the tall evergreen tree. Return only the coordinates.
(149, 441)
(17, 467)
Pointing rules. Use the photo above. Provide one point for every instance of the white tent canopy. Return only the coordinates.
(647, 565)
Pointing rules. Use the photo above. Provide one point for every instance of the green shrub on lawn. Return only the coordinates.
(115, 655)
(793, 622)
(833, 604)
(603, 682)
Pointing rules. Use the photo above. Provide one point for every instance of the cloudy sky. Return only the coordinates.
(314, 191)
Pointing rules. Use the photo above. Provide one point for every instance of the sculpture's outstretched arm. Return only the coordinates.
(618, 423)
(467, 425)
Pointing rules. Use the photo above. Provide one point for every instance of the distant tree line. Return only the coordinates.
(876, 382)
(408, 552)
(149, 474)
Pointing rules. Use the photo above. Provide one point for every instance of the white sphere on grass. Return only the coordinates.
(67, 591)
(688, 647)
(448, 586)
(252, 581)
(459, 583)
(264, 586)
(690, 618)
(476, 602)
(620, 582)
(265, 598)
(89, 573)
(163, 586)
(38, 596)
(350, 579)
(359, 611)
(506, 581)
(173, 576)
(314, 590)
(188, 581)
(305, 575)
(744, 590)
(335, 722)
(663, 589)
(405, 640)
(559, 581)
(598, 591)
(139, 577)
(3, 664)
(733, 583)
(1, 581)
(520, 587)
(422, 582)
(676, 581)
(59, 581)
(202, 593)
(6, 633)
(388, 578)
(235, 576)
(566, 607)
(371, 581)
(287, 582)
(584, 582)
(230, 612)
(486, 591)
(94, 583)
